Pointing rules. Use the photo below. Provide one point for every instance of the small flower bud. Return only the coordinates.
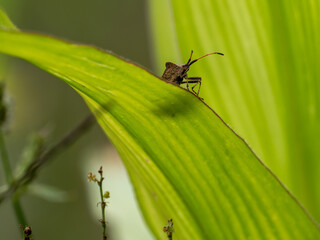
(169, 228)
(106, 194)
(92, 177)
(28, 231)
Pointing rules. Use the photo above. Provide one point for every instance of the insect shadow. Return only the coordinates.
(174, 105)
(177, 74)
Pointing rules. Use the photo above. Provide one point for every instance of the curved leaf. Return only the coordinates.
(185, 163)
(266, 86)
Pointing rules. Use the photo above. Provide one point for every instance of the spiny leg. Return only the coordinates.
(196, 80)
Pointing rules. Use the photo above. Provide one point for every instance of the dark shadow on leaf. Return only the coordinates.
(180, 104)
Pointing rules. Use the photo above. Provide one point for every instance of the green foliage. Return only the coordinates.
(267, 85)
(185, 163)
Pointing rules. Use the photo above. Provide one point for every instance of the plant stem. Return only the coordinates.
(65, 142)
(5, 160)
(39, 161)
(9, 178)
(18, 211)
(103, 206)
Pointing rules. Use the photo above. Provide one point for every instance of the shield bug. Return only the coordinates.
(178, 73)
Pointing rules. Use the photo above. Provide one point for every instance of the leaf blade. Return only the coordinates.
(266, 85)
(204, 188)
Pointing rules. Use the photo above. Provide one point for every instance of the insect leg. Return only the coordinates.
(187, 82)
(193, 81)
(186, 77)
(196, 80)
(198, 88)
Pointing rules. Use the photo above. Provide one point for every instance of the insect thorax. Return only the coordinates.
(174, 73)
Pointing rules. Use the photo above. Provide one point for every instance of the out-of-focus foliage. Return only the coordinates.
(40, 102)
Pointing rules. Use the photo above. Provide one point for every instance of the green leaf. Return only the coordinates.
(5, 23)
(184, 162)
(267, 85)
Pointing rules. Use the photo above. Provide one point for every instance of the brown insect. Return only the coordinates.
(177, 73)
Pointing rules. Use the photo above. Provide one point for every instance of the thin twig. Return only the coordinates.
(103, 196)
(103, 206)
(43, 158)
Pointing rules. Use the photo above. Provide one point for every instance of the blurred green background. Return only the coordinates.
(39, 100)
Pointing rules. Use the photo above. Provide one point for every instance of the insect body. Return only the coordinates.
(177, 73)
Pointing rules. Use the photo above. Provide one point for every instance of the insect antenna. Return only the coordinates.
(189, 63)
(190, 57)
